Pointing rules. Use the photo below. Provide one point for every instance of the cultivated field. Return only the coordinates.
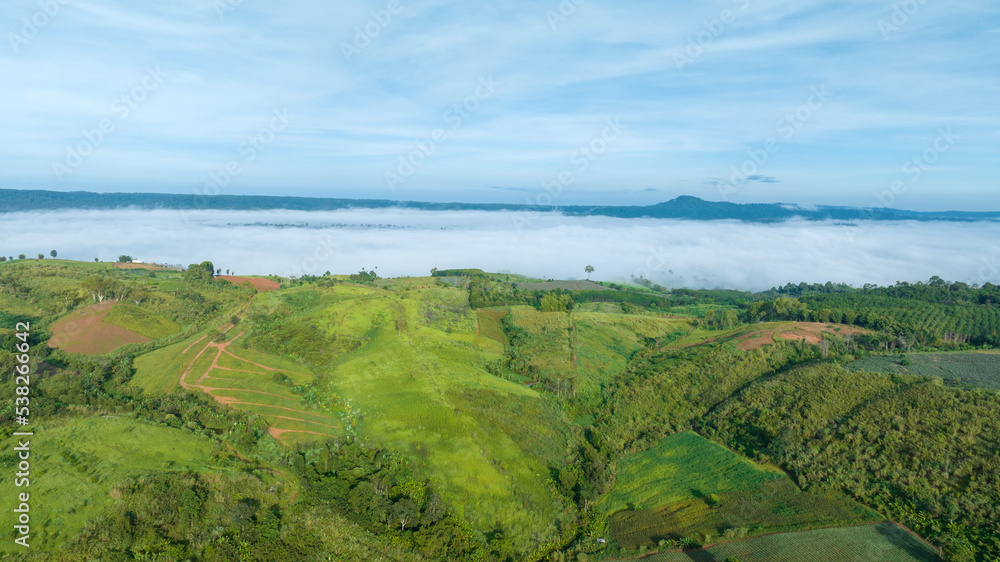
(84, 331)
(565, 285)
(689, 488)
(490, 324)
(884, 542)
(758, 335)
(259, 283)
(980, 369)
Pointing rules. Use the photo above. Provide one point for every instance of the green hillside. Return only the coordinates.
(180, 417)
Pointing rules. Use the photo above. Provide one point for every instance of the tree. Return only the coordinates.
(53, 253)
(125, 258)
(589, 269)
(96, 260)
(404, 512)
(41, 256)
(205, 271)
(20, 256)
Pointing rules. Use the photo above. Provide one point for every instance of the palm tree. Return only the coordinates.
(589, 269)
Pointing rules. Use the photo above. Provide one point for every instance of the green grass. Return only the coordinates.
(141, 321)
(978, 369)
(160, 370)
(248, 377)
(884, 542)
(419, 383)
(689, 487)
(76, 463)
(683, 466)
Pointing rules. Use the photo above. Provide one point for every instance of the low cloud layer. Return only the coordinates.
(718, 254)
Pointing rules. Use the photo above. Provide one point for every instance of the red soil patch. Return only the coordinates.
(84, 332)
(256, 282)
(811, 332)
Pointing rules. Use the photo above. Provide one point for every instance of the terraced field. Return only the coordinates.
(243, 379)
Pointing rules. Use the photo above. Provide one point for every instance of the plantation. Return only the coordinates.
(976, 369)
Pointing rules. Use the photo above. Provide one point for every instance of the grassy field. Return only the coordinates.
(681, 467)
(160, 370)
(690, 488)
(883, 542)
(586, 349)
(141, 321)
(80, 460)
(979, 369)
(411, 363)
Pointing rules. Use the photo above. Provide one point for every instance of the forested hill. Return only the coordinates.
(685, 207)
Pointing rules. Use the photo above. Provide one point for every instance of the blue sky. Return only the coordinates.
(632, 102)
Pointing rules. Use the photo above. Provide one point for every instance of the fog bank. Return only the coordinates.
(696, 254)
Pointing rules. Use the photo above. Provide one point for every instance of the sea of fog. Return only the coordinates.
(675, 253)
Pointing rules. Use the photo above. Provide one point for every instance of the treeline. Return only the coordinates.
(920, 453)
(933, 314)
(375, 489)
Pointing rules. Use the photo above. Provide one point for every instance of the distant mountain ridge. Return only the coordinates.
(684, 207)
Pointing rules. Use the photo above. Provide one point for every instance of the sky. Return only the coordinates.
(404, 242)
(853, 103)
